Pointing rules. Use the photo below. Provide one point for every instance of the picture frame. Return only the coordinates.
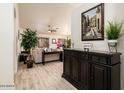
(92, 23)
(87, 46)
(43, 42)
(53, 41)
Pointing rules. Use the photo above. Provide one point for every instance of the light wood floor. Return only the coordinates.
(47, 77)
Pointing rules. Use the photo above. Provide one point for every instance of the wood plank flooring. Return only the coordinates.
(42, 77)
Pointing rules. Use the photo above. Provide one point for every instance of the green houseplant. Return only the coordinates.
(68, 41)
(113, 30)
(113, 33)
(29, 41)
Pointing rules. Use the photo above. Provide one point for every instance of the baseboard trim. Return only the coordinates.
(7, 87)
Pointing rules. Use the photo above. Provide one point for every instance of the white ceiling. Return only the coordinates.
(39, 15)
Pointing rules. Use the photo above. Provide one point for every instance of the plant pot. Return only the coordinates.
(24, 55)
(112, 42)
(112, 45)
(29, 63)
(24, 62)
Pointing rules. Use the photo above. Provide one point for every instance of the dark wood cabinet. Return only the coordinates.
(92, 70)
(98, 77)
(84, 74)
(67, 65)
(74, 68)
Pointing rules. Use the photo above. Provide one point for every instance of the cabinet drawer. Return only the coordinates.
(84, 56)
(75, 53)
(99, 59)
(67, 52)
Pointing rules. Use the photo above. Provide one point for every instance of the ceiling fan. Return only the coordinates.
(51, 30)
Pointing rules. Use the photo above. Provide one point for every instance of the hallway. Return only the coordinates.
(47, 77)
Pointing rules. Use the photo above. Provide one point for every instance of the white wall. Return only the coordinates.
(16, 41)
(112, 12)
(39, 16)
(6, 45)
(76, 26)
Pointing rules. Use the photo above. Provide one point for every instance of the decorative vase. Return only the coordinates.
(112, 45)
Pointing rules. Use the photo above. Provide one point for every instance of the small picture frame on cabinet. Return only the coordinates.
(87, 46)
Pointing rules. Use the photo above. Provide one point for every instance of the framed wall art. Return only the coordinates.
(53, 41)
(92, 23)
(43, 42)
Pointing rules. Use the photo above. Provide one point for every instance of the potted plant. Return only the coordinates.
(68, 41)
(113, 33)
(29, 41)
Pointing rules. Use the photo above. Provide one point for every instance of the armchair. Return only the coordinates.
(37, 54)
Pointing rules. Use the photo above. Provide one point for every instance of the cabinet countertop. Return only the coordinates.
(93, 51)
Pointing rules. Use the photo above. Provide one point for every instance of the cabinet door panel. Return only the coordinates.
(84, 74)
(67, 65)
(98, 77)
(75, 68)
